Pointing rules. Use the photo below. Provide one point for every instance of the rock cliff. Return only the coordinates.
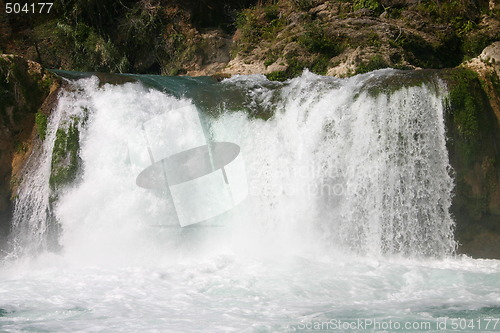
(27, 92)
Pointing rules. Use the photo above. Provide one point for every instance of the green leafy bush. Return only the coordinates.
(456, 12)
(316, 40)
(277, 76)
(368, 4)
(376, 62)
(258, 23)
(473, 44)
(90, 51)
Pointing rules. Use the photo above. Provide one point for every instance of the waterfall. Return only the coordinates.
(33, 226)
(355, 165)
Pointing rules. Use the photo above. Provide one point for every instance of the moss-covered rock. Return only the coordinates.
(473, 134)
(65, 160)
(41, 124)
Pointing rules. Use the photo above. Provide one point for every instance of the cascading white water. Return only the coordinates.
(362, 172)
(346, 219)
(369, 172)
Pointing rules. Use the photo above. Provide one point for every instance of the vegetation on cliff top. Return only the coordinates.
(21, 88)
(116, 36)
(169, 37)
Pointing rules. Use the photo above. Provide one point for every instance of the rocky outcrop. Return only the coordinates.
(26, 92)
(350, 37)
(487, 66)
(282, 37)
(473, 125)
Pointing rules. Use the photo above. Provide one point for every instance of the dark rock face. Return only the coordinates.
(473, 136)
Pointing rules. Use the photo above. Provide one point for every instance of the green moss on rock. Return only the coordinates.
(41, 124)
(65, 158)
(466, 104)
(472, 132)
(387, 85)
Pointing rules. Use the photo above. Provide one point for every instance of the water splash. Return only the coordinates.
(340, 166)
(360, 171)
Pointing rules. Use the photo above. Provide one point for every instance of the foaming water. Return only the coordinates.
(227, 293)
(347, 215)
